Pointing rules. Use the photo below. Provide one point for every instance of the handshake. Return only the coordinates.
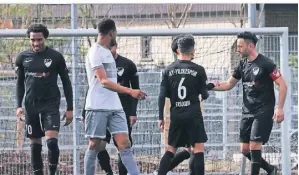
(211, 85)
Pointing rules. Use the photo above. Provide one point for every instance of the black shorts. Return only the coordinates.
(41, 116)
(256, 128)
(108, 134)
(186, 132)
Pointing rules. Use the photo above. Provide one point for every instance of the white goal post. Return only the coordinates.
(282, 32)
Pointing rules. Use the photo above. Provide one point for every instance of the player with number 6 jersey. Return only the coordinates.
(183, 81)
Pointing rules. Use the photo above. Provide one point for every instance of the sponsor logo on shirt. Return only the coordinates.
(39, 74)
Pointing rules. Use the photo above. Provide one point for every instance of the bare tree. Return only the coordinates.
(90, 17)
(173, 21)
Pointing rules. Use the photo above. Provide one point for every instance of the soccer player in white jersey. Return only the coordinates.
(103, 106)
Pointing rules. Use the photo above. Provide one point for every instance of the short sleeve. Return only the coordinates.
(95, 58)
(237, 71)
(271, 70)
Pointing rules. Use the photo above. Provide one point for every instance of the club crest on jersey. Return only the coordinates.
(255, 70)
(120, 71)
(48, 62)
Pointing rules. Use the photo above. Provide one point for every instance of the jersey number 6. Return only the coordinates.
(182, 91)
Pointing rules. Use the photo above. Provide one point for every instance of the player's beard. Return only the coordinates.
(111, 41)
(245, 54)
(40, 48)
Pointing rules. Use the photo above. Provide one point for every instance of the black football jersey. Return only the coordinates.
(37, 76)
(183, 82)
(258, 87)
(127, 76)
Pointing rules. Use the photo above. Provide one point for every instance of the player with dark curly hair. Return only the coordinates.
(37, 72)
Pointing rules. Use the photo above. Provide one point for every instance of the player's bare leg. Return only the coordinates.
(36, 156)
(255, 147)
(53, 150)
(125, 151)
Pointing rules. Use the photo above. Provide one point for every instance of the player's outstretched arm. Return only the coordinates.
(223, 86)
(66, 82)
(230, 83)
(106, 83)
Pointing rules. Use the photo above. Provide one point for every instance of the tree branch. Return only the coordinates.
(133, 17)
(185, 15)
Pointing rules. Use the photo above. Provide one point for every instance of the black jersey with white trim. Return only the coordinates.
(37, 76)
(258, 86)
(183, 81)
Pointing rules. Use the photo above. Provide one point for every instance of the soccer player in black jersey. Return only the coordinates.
(258, 74)
(37, 71)
(185, 153)
(183, 81)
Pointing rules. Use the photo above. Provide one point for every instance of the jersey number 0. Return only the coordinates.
(182, 91)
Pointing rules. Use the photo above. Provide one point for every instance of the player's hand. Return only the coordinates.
(212, 84)
(136, 93)
(68, 117)
(278, 115)
(20, 113)
(132, 120)
(161, 125)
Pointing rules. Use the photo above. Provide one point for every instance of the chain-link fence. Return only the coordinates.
(222, 111)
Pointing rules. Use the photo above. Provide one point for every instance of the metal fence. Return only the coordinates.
(222, 111)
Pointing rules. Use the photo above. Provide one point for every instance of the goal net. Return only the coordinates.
(150, 51)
